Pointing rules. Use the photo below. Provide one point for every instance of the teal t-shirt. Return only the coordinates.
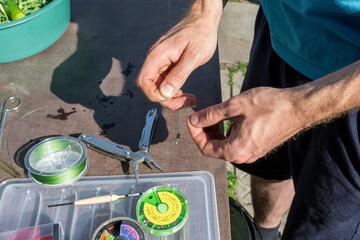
(315, 37)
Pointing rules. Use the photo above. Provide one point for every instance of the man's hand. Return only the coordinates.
(188, 45)
(261, 119)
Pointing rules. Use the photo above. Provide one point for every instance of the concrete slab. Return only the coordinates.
(236, 31)
(235, 35)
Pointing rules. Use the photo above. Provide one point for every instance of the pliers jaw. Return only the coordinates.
(139, 157)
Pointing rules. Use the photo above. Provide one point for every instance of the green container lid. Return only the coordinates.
(27, 36)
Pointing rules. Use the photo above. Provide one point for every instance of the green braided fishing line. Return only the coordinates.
(57, 161)
(62, 178)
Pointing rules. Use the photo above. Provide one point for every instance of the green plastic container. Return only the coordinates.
(27, 36)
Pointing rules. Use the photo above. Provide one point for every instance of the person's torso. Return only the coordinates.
(316, 37)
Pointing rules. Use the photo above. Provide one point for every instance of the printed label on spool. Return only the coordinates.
(166, 216)
(162, 210)
(119, 228)
(106, 236)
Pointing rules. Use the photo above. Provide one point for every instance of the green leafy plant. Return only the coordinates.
(240, 66)
(11, 10)
(3, 16)
(226, 125)
(232, 184)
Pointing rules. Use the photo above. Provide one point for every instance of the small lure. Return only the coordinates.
(177, 138)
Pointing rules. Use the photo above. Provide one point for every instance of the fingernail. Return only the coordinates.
(167, 90)
(194, 119)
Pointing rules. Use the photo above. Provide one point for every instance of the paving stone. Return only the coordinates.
(236, 31)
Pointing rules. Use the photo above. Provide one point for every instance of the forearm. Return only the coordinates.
(209, 9)
(328, 97)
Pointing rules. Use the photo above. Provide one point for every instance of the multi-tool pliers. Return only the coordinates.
(124, 153)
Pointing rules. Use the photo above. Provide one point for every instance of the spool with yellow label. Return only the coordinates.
(162, 210)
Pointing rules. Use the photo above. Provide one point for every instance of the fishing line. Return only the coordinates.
(110, 172)
(57, 161)
(61, 178)
(7, 168)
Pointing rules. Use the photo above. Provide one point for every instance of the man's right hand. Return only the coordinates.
(170, 61)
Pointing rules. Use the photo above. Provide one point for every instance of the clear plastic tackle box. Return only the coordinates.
(24, 203)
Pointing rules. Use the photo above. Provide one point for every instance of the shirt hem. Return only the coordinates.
(297, 62)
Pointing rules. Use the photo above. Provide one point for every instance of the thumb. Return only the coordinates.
(211, 115)
(176, 78)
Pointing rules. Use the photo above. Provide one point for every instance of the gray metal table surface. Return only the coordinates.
(85, 83)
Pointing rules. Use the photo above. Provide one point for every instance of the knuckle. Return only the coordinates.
(193, 54)
(230, 108)
(209, 114)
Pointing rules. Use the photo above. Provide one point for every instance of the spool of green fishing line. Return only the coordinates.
(57, 161)
(162, 210)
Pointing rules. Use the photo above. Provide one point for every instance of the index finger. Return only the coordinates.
(149, 76)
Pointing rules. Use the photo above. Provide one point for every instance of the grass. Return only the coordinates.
(240, 66)
(232, 70)
(232, 184)
(226, 125)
